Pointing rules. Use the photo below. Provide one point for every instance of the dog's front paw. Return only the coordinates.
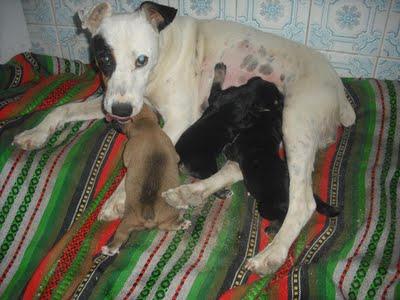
(184, 195)
(113, 209)
(109, 251)
(31, 139)
(223, 194)
(219, 73)
(174, 198)
(268, 261)
(185, 224)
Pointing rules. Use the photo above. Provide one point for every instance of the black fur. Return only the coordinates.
(103, 55)
(199, 145)
(247, 122)
(265, 174)
(168, 13)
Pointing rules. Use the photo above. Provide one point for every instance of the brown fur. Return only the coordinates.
(152, 165)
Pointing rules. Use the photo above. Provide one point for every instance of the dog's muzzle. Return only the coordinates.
(111, 118)
(121, 110)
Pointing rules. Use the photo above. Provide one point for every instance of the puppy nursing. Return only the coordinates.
(247, 120)
(152, 167)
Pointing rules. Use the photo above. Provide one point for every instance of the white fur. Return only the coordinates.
(178, 79)
(127, 82)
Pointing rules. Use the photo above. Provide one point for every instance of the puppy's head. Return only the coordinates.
(126, 49)
(132, 125)
(267, 96)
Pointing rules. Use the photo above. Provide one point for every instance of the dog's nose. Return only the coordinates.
(121, 109)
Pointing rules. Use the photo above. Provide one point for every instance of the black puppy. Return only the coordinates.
(227, 113)
(248, 117)
(265, 174)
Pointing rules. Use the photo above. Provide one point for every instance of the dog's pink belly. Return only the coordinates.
(243, 65)
(246, 59)
(236, 76)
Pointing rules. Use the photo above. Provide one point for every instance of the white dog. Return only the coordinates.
(169, 60)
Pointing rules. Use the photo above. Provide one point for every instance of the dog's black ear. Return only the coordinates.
(158, 15)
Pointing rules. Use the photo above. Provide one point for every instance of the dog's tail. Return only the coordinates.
(346, 111)
(325, 209)
(155, 164)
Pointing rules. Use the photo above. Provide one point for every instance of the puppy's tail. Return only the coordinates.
(325, 209)
(147, 212)
(155, 165)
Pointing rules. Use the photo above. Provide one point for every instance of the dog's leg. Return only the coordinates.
(193, 194)
(36, 137)
(176, 225)
(115, 206)
(219, 77)
(121, 236)
(300, 149)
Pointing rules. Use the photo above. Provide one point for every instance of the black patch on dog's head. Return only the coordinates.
(103, 55)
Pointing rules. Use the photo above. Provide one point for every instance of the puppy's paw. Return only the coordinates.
(31, 139)
(220, 67)
(173, 198)
(268, 261)
(109, 251)
(113, 209)
(223, 194)
(185, 224)
(219, 73)
(252, 265)
(184, 195)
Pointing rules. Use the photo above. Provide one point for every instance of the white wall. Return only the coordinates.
(14, 36)
(361, 38)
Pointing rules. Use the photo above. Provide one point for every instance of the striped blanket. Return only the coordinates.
(50, 198)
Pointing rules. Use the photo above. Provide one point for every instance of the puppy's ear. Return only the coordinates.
(91, 19)
(160, 16)
(178, 159)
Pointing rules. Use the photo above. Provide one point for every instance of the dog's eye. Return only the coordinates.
(105, 60)
(141, 61)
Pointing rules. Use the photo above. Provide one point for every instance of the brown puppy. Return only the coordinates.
(152, 168)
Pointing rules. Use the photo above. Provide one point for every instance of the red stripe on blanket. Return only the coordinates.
(110, 163)
(3, 276)
(72, 249)
(146, 265)
(17, 159)
(14, 108)
(191, 268)
(37, 278)
(371, 207)
(86, 92)
(263, 242)
(57, 94)
(105, 235)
